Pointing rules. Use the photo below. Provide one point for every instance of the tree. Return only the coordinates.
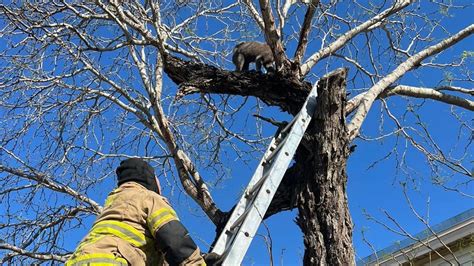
(85, 83)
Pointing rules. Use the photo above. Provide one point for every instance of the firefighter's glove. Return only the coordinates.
(212, 259)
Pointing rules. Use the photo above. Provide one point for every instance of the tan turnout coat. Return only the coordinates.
(123, 233)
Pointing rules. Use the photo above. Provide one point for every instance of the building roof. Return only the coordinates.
(464, 220)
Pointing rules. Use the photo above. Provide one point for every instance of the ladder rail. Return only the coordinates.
(240, 208)
(224, 239)
(241, 227)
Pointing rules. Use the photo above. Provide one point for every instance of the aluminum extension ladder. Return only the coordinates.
(242, 225)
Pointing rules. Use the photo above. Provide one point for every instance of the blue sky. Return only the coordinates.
(370, 189)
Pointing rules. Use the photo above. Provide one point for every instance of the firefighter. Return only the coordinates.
(137, 225)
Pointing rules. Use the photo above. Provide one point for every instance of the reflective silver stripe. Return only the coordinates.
(160, 217)
(127, 234)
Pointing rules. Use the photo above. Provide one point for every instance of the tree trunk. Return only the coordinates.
(321, 194)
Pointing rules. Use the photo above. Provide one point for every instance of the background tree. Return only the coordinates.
(87, 83)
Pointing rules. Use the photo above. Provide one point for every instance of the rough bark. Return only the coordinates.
(322, 201)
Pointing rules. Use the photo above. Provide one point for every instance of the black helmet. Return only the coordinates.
(137, 170)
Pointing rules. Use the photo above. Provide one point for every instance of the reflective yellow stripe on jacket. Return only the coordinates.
(160, 217)
(109, 200)
(120, 230)
(96, 259)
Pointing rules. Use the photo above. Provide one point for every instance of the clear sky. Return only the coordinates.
(372, 188)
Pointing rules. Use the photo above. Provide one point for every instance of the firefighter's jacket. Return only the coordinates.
(129, 229)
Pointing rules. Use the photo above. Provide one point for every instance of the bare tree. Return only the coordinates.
(86, 83)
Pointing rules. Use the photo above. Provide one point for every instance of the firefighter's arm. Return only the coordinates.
(171, 236)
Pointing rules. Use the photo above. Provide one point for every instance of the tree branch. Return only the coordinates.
(346, 37)
(430, 94)
(255, 15)
(417, 92)
(276, 90)
(305, 30)
(410, 63)
(272, 36)
(40, 256)
(47, 182)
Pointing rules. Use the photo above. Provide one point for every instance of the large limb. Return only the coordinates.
(14, 251)
(305, 30)
(253, 11)
(419, 92)
(272, 36)
(45, 180)
(287, 93)
(410, 63)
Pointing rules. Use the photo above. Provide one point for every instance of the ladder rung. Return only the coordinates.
(240, 219)
(273, 147)
(276, 150)
(285, 129)
(249, 193)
